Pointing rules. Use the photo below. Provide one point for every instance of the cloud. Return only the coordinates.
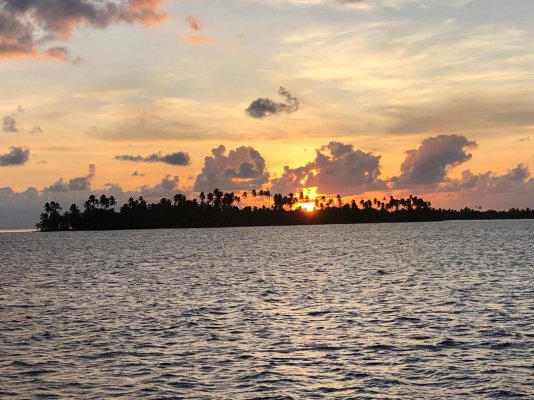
(78, 184)
(60, 53)
(463, 111)
(242, 169)
(514, 188)
(26, 26)
(168, 187)
(197, 39)
(264, 107)
(179, 158)
(22, 209)
(137, 173)
(168, 183)
(435, 156)
(16, 156)
(337, 168)
(36, 129)
(488, 180)
(10, 124)
(194, 23)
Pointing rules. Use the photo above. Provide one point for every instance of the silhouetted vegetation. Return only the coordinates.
(218, 209)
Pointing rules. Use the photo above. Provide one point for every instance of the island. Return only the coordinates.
(221, 209)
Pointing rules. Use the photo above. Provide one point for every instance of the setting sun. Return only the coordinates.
(308, 207)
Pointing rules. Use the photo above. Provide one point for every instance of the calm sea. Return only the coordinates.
(434, 310)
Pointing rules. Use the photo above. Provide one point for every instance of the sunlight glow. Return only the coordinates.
(308, 207)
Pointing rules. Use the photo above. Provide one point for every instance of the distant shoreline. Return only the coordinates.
(35, 230)
(17, 230)
(220, 210)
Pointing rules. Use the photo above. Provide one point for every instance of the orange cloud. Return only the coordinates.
(146, 12)
(27, 26)
(198, 39)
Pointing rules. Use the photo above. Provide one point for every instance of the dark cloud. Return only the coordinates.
(264, 107)
(179, 158)
(9, 124)
(137, 173)
(27, 25)
(15, 156)
(78, 184)
(242, 169)
(435, 156)
(337, 168)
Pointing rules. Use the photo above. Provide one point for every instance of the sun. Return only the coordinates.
(308, 207)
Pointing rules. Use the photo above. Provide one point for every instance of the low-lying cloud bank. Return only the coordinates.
(78, 184)
(337, 168)
(22, 209)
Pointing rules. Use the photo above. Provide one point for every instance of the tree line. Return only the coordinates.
(222, 209)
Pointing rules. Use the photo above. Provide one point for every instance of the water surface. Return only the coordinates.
(433, 310)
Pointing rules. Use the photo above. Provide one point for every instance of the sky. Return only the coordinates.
(362, 98)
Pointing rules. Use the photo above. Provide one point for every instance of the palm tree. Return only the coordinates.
(227, 200)
(91, 203)
(218, 198)
(104, 201)
(267, 194)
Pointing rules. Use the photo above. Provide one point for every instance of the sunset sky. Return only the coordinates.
(361, 98)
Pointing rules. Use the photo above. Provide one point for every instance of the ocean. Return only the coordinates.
(424, 310)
